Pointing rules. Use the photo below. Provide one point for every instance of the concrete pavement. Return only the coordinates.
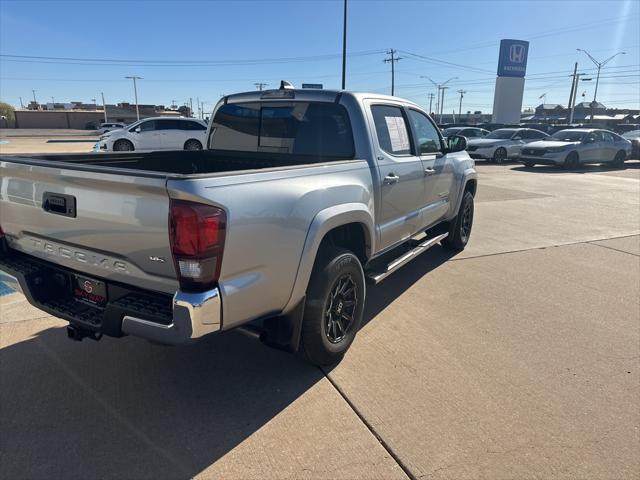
(517, 358)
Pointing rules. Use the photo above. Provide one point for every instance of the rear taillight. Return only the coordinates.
(196, 233)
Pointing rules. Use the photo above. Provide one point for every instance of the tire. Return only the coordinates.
(500, 155)
(123, 146)
(618, 161)
(572, 162)
(192, 145)
(331, 321)
(529, 164)
(460, 226)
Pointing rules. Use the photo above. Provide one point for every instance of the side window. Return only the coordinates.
(188, 125)
(537, 135)
(391, 129)
(599, 136)
(148, 126)
(426, 133)
(608, 137)
(168, 125)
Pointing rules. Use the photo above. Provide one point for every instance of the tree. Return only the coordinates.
(8, 114)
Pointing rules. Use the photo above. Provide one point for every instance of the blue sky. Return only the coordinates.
(238, 43)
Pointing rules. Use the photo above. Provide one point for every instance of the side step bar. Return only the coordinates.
(377, 276)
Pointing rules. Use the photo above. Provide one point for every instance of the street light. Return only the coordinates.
(441, 88)
(135, 92)
(599, 65)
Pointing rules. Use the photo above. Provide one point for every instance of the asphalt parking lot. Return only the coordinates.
(518, 358)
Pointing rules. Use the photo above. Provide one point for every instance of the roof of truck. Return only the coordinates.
(307, 94)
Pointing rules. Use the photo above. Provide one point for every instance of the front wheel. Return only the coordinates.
(460, 226)
(123, 146)
(572, 161)
(192, 145)
(500, 155)
(334, 306)
(619, 159)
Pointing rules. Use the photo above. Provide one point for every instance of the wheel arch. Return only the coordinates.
(184, 145)
(349, 225)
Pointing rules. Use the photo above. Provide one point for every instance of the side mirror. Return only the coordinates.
(138, 130)
(456, 143)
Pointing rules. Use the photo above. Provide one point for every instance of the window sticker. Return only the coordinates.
(397, 133)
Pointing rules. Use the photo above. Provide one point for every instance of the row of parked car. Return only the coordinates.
(566, 148)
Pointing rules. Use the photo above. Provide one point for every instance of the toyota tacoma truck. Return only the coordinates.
(300, 198)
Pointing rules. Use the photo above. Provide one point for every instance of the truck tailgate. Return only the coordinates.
(111, 226)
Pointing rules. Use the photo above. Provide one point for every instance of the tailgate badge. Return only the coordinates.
(153, 258)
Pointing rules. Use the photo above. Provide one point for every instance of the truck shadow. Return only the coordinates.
(127, 408)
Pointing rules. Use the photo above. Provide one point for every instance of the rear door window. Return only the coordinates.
(301, 128)
(391, 129)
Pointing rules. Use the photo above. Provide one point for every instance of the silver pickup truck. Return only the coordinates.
(301, 197)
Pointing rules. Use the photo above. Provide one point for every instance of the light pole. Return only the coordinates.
(35, 102)
(431, 95)
(104, 107)
(135, 92)
(441, 88)
(344, 45)
(599, 65)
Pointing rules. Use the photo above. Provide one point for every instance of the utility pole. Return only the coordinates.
(198, 106)
(21, 104)
(599, 65)
(135, 92)
(104, 107)
(53, 101)
(35, 102)
(191, 106)
(260, 85)
(572, 92)
(344, 46)
(431, 95)
(461, 92)
(392, 59)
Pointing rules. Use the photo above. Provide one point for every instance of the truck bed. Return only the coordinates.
(177, 162)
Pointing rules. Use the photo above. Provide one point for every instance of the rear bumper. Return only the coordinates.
(129, 311)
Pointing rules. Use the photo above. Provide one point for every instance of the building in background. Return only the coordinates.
(87, 116)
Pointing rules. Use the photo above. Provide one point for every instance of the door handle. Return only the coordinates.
(429, 171)
(391, 179)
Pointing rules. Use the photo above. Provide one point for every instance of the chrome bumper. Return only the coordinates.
(189, 315)
(194, 315)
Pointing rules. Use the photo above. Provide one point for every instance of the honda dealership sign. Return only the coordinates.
(512, 67)
(513, 58)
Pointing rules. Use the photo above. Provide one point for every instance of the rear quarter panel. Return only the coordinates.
(269, 215)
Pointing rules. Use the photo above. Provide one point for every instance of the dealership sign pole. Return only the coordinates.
(512, 67)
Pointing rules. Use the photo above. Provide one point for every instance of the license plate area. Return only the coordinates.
(89, 290)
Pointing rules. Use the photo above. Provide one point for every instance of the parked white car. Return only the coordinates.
(572, 148)
(503, 144)
(108, 126)
(159, 133)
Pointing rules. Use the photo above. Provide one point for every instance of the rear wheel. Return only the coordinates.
(192, 145)
(619, 159)
(334, 306)
(572, 161)
(460, 226)
(123, 146)
(500, 155)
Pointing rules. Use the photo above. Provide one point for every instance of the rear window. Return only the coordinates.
(302, 128)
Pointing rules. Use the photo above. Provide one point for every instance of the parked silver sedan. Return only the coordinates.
(502, 144)
(572, 148)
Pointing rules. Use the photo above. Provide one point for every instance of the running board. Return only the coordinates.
(377, 277)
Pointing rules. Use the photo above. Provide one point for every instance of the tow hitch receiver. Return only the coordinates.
(77, 334)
